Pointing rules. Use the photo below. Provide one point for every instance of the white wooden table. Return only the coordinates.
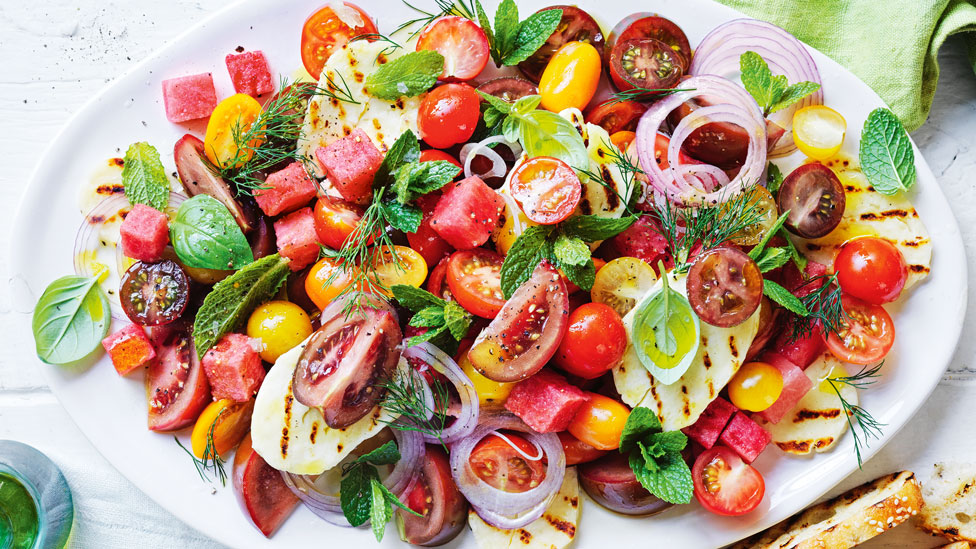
(56, 53)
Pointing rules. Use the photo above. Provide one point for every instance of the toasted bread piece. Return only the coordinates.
(956, 545)
(847, 520)
(950, 502)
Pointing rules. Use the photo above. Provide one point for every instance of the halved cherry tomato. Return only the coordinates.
(437, 283)
(645, 63)
(724, 287)
(502, 463)
(578, 451)
(815, 198)
(436, 498)
(462, 43)
(474, 277)
(426, 241)
(509, 88)
(600, 422)
(571, 77)
(595, 341)
(649, 25)
(449, 115)
(818, 131)
(616, 116)
(612, 483)
(546, 188)
(325, 281)
(726, 485)
(622, 282)
(401, 265)
(327, 30)
(176, 385)
(280, 326)
(661, 144)
(154, 293)
(528, 329)
(433, 155)
(335, 220)
(228, 420)
(261, 490)
(866, 335)
(490, 392)
(575, 26)
(755, 387)
(232, 116)
(622, 140)
(764, 205)
(871, 269)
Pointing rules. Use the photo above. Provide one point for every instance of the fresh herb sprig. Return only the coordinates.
(655, 456)
(540, 132)
(363, 497)
(447, 322)
(867, 426)
(144, 176)
(886, 154)
(643, 94)
(211, 460)
(377, 37)
(825, 310)
(511, 41)
(70, 320)
(443, 8)
(405, 399)
(772, 93)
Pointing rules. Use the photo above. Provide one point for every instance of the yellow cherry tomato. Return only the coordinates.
(623, 139)
(756, 386)
(407, 268)
(280, 325)
(819, 131)
(326, 280)
(767, 213)
(228, 420)
(621, 282)
(600, 422)
(490, 392)
(234, 115)
(571, 77)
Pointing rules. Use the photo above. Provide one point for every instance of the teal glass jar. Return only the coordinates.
(36, 510)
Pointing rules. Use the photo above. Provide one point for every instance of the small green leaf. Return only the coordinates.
(886, 154)
(783, 296)
(523, 257)
(401, 217)
(506, 30)
(419, 178)
(757, 79)
(485, 25)
(794, 93)
(511, 129)
(355, 494)
(582, 276)
(592, 228)
(544, 133)
(651, 452)
(798, 259)
(426, 336)
(457, 319)
(390, 497)
(532, 34)
(773, 258)
(756, 252)
(415, 299)
(671, 481)
(206, 236)
(405, 150)
(407, 76)
(70, 320)
(387, 454)
(671, 441)
(774, 178)
(144, 177)
(570, 250)
(639, 424)
(428, 318)
(527, 104)
(380, 509)
(497, 103)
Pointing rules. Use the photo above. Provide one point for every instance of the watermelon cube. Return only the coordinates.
(795, 386)
(233, 367)
(129, 348)
(297, 239)
(288, 190)
(546, 402)
(746, 437)
(800, 284)
(642, 240)
(350, 164)
(711, 423)
(426, 241)
(250, 73)
(145, 233)
(467, 213)
(189, 97)
(800, 351)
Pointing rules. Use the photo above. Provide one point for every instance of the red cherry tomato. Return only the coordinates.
(497, 461)
(449, 115)
(325, 32)
(335, 220)
(578, 451)
(546, 188)
(867, 334)
(462, 43)
(616, 116)
(872, 269)
(594, 342)
(426, 241)
(433, 155)
(661, 144)
(726, 485)
(436, 283)
(474, 277)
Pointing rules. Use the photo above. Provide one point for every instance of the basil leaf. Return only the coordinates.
(506, 31)
(886, 154)
(532, 34)
(667, 333)
(70, 320)
(640, 422)
(792, 94)
(233, 299)
(144, 177)
(205, 235)
(570, 250)
(407, 76)
(592, 228)
(784, 297)
(387, 454)
(401, 217)
(415, 299)
(525, 254)
(404, 150)
(527, 104)
(380, 509)
(511, 129)
(774, 178)
(544, 133)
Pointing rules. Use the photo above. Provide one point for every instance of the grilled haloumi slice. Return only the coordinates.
(721, 353)
(293, 437)
(555, 529)
(870, 213)
(818, 420)
(606, 199)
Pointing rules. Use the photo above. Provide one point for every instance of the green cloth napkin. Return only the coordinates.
(892, 45)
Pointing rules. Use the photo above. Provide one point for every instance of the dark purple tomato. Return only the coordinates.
(724, 287)
(509, 88)
(154, 293)
(611, 483)
(815, 198)
(649, 25)
(436, 497)
(645, 63)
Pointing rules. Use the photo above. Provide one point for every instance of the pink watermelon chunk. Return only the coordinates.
(129, 348)
(145, 233)
(546, 402)
(189, 97)
(467, 213)
(711, 423)
(799, 284)
(350, 164)
(250, 73)
(746, 437)
(801, 351)
(796, 384)
(289, 189)
(297, 239)
(233, 367)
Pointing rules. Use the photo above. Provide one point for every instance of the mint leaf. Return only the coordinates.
(592, 228)
(390, 497)
(419, 178)
(526, 252)
(671, 481)
(783, 296)
(457, 320)
(756, 252)
(426, 336)
(773, 258)
(799, 259)
(403, 217)
(387, 454)
(380, 509)
(206, 236)
(670, 441)
(506, 31)
(144, 177)
(355, 494)
(582, 276)
(70, 319)
(485, 25)
(407, 76)
(415, 299)
(233, 299)
(405, 149)
(532, 34)
(427, 318)
(497, 103)
(758, 80)
(886, 154)
(651, 453)
(569, 250)
(792, 94)
(640, 422)
(774, 178)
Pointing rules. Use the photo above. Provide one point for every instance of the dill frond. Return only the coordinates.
(375, 36)
(826, 310)
(211, 459)
(864, 426)
(405, 397)
(643, 94)
(629, 170)
(444, 7)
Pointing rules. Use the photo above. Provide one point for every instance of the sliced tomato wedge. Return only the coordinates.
(437, 281)
(726, 485)
(866, 336)
(177, 388)
(436, 497)
(475, 279)
(330, 28)
(616, 116)
(462, 43)
(527, 331)
(260, 490)
(546, 189)
(502, 462)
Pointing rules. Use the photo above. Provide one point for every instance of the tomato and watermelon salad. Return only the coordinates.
(484, 280)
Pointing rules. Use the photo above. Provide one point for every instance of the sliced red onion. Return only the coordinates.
(506, 509)
(695, 184)
(443, 364)
(483, 148)
(720, 50)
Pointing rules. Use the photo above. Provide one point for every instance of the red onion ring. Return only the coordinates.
(498, 167)
(502, 509)
(443, 364)
(720, 50)
(679, 182)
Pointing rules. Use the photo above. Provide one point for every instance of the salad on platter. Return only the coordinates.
(453, 275)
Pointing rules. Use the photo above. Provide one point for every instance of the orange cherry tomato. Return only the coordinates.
(229, 420)
(600, 422)
(325, 281)
(623, 139)
(326, 31)
(571, 77)
(232, 116)
(335, 220)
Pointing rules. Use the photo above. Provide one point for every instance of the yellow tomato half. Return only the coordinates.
(232, 116)
(571, 77)
(756, 386)
(326, 280)
(407, 268)
(280, 325)
(622, 282)
(229, 420)
(490, 392)
(600, 422)
(819, 131)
